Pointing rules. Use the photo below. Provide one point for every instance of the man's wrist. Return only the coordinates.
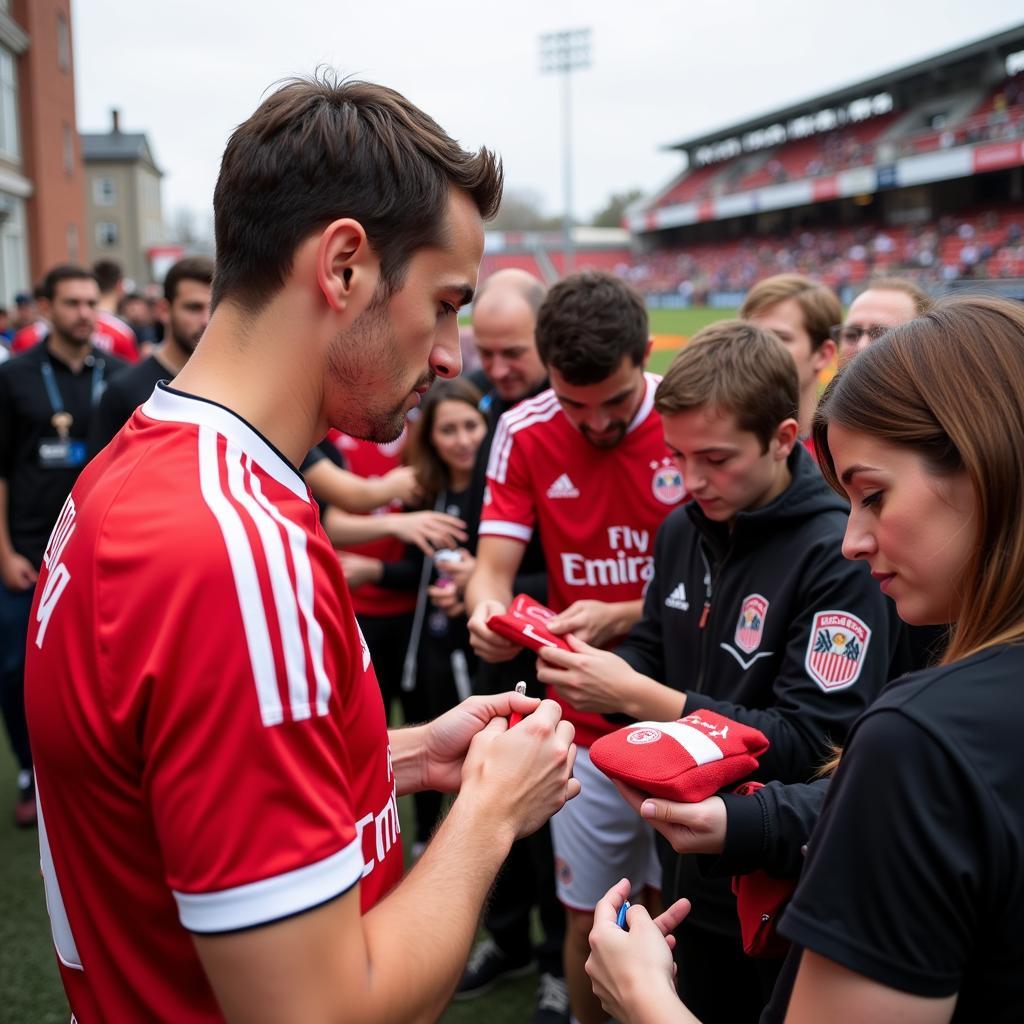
(409, 758)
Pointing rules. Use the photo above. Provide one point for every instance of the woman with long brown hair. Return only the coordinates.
(911, 902)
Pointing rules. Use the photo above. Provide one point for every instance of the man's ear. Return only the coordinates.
(648, 350)
(163, 311)
(785, 438)
(347, 270)
(824, 354)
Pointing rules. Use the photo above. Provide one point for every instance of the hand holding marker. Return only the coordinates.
(515, 718)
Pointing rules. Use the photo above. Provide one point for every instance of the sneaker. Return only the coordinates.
(25, 813)
(552, 1001)
(487, 966)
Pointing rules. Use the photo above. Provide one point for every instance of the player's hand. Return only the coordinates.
(446, 598)
(18, 572)
(632, 971)
(359, 569)
(447, 737)
(490, 646)
(588, 678)
(518, 777)
(689, 828)
(593, 622)
(429, 531)
(400, 484)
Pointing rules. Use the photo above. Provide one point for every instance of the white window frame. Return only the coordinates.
(108, 234)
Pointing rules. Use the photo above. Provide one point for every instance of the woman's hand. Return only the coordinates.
(632, 970)
(359, 569)
(689, 828)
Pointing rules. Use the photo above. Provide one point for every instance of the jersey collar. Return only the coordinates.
(651, 384)
(172, 406)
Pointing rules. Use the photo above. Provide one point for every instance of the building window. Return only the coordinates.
(73, 253)
(107, 234)
(69, 150)
(9, 146)
(104, 191)
(63, 42)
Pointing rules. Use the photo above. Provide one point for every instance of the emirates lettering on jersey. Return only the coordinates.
(379, 831)
(627, 563)
(58, 576)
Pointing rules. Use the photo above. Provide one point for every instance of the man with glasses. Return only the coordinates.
(886, 303)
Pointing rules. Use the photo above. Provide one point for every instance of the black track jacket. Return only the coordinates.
(768, 624)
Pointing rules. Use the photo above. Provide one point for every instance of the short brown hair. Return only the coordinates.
(588, 323)
(949, 386)
(63, 272)
(191, 268)
(921, 299)
(818, 303)
(318, 149)
(737, 367)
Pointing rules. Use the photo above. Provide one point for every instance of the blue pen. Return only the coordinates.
(621, 919)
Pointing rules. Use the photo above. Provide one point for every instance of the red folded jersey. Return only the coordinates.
(524, 624)
(687, 761)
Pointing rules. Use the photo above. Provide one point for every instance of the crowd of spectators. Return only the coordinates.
(982, 246)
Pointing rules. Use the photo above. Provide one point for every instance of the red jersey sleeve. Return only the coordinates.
(509, 508)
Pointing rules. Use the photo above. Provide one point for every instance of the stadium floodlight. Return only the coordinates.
(564, 53)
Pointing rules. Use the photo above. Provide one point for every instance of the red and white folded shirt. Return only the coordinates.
(525, 624)
(687, 760)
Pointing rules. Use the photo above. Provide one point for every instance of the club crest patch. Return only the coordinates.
(667, 482)
(750, 625)
(641, 736)
(836, 649)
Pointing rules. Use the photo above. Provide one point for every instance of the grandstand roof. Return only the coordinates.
(997, 45)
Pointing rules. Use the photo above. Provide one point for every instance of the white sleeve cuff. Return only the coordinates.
(271, 899)
(499, 528)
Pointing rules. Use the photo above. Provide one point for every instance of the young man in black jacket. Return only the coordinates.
(752, 612)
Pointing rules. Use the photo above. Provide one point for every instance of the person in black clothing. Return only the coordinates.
(185, 311)
(910, 901)
(752, 612)
(48, 396)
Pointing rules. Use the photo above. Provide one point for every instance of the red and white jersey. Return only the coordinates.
(113, 335)
(597, 509)
(28, 337)
(369, 460)
(210, 744)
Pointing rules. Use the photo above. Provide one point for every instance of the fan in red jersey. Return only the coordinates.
(216, 782)
(586, 464)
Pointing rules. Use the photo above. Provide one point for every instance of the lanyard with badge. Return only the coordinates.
(63, 451)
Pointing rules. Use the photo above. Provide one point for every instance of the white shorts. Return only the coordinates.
(599, 839)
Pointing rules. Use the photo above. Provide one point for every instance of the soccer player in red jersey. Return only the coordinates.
(112, 333)
(219, 829)
(586, 464)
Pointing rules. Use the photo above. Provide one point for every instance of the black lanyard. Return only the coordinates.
(53, 392)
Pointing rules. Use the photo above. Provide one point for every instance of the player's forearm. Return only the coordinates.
(407, 758)
(419, 937)
(332, 485)
(487, 585)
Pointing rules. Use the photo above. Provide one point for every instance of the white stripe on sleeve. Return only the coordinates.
(243, 569)
(270, 899)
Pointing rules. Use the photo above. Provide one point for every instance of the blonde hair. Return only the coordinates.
(818, 303)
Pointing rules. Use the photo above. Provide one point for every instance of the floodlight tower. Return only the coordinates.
(566, 52)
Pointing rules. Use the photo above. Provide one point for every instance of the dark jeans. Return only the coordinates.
(717, 981)
(14, 612)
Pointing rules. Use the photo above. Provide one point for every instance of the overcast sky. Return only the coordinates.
(187, 71)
